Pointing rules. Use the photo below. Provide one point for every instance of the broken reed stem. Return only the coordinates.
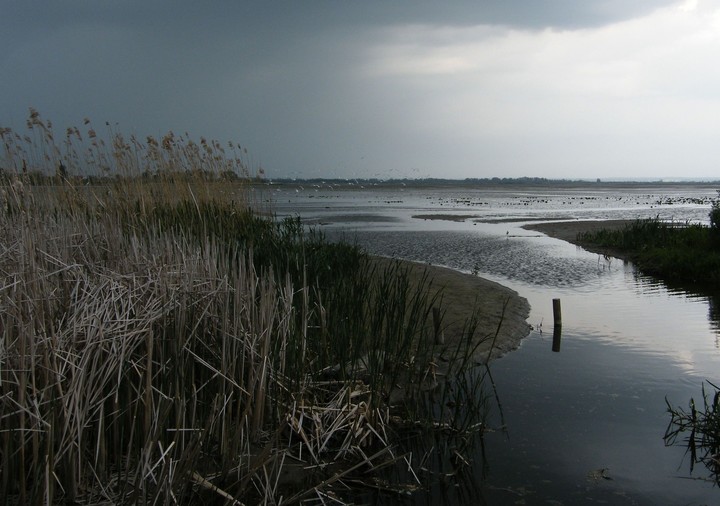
(125, 337)
(149, 355)
(148, 381)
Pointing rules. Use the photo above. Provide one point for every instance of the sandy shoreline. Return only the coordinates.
(569, 230)
(462, 295)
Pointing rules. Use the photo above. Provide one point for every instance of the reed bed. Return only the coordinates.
(684, 254)
(163, 343)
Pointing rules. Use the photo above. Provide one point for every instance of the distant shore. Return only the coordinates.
(533, 182)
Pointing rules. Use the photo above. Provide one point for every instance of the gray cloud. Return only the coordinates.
(301, 84)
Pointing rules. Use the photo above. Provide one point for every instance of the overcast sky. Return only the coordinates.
(386, 88)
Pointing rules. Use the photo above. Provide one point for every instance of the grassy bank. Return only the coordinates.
(682, 255)
(161, 342)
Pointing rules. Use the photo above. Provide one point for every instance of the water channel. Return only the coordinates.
(584, 425)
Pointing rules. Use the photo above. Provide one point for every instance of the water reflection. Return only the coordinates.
(442, 474)
(698, 429)
(446, 460)
(557, 328)
(599, 293)
(714, 316)
(627, 343)
(557, 336)
(593, 406)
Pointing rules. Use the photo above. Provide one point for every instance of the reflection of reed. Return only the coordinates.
(604, 262)
(703, 424)
(714, 316)
(438, 460)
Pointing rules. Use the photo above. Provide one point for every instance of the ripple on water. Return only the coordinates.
(517, 259)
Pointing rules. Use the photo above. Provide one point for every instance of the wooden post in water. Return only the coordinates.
(557, 313)
(557, 330)
(439, 334)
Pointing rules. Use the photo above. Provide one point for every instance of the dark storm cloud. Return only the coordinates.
(525, 14)
(199, 18)
(359, 88)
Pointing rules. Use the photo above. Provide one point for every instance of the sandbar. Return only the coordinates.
(499, 310)
(568, 231)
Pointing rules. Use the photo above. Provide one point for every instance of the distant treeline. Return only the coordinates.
(494, 181)
(36, 177)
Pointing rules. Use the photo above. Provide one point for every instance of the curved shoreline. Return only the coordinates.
(499, 310)
(568, 231)
(466, 295)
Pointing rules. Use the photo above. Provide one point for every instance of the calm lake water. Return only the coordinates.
(585, 425)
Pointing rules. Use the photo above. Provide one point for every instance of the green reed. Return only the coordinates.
(685, 254)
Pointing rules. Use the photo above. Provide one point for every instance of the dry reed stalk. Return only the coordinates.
(105, 339)
(138, 363)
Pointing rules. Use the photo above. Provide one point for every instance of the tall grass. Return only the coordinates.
(163, 343)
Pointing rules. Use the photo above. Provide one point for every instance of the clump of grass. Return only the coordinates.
(161, 341)
(701, 428)
(687, 254)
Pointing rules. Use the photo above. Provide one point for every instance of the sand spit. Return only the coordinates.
(569, 230)
(445, 217)
(462, 294)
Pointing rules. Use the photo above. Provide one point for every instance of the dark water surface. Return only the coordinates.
(585, 425)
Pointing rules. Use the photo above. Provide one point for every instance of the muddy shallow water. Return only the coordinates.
(584, 425)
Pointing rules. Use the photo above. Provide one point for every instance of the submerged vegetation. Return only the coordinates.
(701, 428)
(686, 254)
(163, 342)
